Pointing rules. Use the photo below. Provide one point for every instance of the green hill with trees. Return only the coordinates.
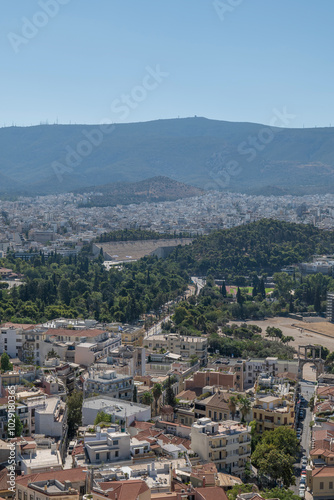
(262, 247)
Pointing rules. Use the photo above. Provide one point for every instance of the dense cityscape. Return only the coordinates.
(56, 222)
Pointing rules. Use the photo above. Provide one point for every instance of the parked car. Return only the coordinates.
(301, 493)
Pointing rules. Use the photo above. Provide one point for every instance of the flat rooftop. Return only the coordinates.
(105, 402)
(42, 458)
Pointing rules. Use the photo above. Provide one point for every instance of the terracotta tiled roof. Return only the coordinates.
(153, 434)
(167, 409)
(28, 446)
(74, 475)
(325, 391)
(142, 426)
(218, 400)
(4, 485)
(64, 332)
(214, 493)
(324, 471)
(78, 450)
(174, 424)
(199, 470)
(18, 325)
(322, 451)
(163, 496)
(187, 395)
(324, 406)
(123, 490)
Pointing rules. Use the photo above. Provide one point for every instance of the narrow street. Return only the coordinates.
(307, 389)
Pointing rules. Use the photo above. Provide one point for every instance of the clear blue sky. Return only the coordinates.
(81, 62)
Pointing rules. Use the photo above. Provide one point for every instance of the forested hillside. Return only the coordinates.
(80, 287)
(265, 247)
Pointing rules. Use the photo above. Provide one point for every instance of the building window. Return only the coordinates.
(330, 485)
(116, 453)
(20, 495)
(97, 456)
(321, 485)
(115, 443)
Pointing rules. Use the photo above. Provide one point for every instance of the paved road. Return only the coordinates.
(199, 282)
(306, 390)
(156, 329)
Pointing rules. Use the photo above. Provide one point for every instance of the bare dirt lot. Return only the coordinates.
(304, 333)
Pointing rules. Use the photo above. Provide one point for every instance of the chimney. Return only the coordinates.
(203, 482)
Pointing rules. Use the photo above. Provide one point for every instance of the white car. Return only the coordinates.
(301, 493)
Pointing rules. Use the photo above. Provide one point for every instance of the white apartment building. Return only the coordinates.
(110, 445)
(31, 344)
(273, 366)
(11, 341)
(225, 444)
(51, 418)
(185, 346)
(110, 383)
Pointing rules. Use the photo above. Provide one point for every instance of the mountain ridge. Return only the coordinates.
(209, 154)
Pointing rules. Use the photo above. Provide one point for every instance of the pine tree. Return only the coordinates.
(170, 398)
(262, 289)
(291, 306)
(134, 396)
(239, 297)
(224, 292)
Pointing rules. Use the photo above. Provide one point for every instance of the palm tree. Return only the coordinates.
(232, 404)
(245, 406)
(157, 391)
(147, 398)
